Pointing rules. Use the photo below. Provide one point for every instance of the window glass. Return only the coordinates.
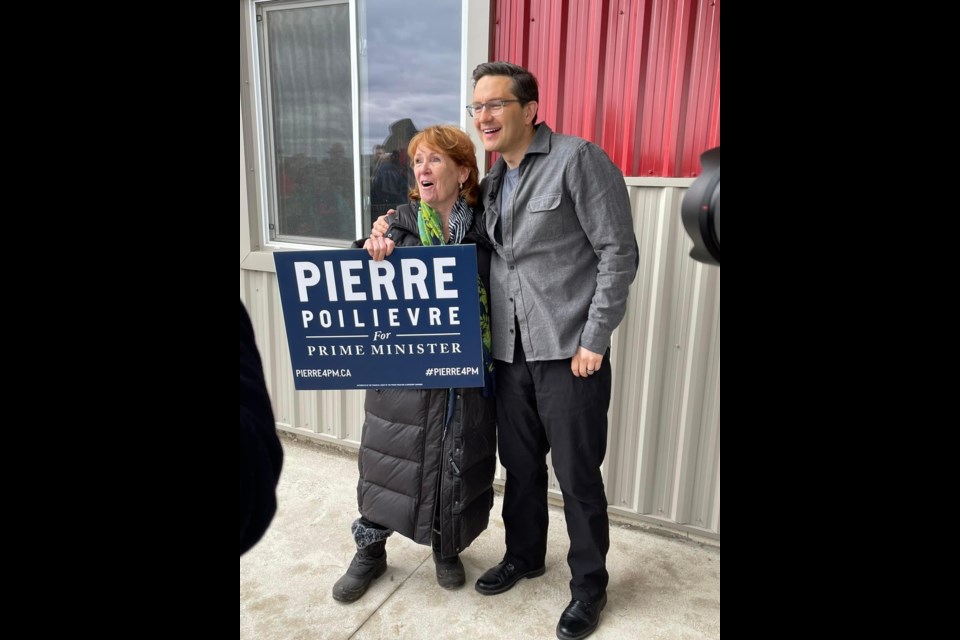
(311, 122)
(408, 77)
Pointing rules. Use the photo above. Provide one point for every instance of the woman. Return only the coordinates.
(428, 456)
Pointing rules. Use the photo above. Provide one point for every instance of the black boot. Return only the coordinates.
(450, 572)
(368, 564)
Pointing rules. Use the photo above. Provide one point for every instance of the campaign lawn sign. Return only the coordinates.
(412, 320)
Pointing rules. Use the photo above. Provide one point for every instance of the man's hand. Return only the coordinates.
(585, 363)
(380, 226)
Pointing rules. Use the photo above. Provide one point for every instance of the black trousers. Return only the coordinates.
(541, 407)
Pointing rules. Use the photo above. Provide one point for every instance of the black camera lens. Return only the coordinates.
(700, 210)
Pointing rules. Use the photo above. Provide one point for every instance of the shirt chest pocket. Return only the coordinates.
(546, 216)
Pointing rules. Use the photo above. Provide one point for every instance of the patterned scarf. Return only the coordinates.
(431, 233)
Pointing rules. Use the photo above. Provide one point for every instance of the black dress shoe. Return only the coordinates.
(502, 578)
(580, 619)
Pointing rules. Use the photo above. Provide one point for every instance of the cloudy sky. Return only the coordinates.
(409, 69)
(412, 64)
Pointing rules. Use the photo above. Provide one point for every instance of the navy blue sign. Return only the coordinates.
(412, 320)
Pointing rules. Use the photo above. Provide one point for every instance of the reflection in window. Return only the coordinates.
(409, 78)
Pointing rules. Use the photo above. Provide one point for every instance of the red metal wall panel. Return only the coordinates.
(641, 78)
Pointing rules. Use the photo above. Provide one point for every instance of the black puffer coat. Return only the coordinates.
(406, 462)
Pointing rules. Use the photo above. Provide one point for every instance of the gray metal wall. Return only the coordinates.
(663, 462)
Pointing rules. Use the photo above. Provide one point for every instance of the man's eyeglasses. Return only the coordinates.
(493, 107)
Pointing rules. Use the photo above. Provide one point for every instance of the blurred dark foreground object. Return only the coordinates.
(700, 210)
(261, 456)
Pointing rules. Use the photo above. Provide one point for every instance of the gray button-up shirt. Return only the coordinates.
(568, 252)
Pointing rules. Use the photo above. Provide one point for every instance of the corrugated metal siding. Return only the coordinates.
(663, 463)
(331, 416)
(639, 78)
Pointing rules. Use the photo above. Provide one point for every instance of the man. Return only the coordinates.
(558, 214)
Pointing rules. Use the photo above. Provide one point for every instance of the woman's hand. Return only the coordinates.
(379, 247)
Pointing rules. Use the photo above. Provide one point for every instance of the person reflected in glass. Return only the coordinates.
(392, 178)
(428, 456)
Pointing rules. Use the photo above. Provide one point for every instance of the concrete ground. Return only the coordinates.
(660, 586)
